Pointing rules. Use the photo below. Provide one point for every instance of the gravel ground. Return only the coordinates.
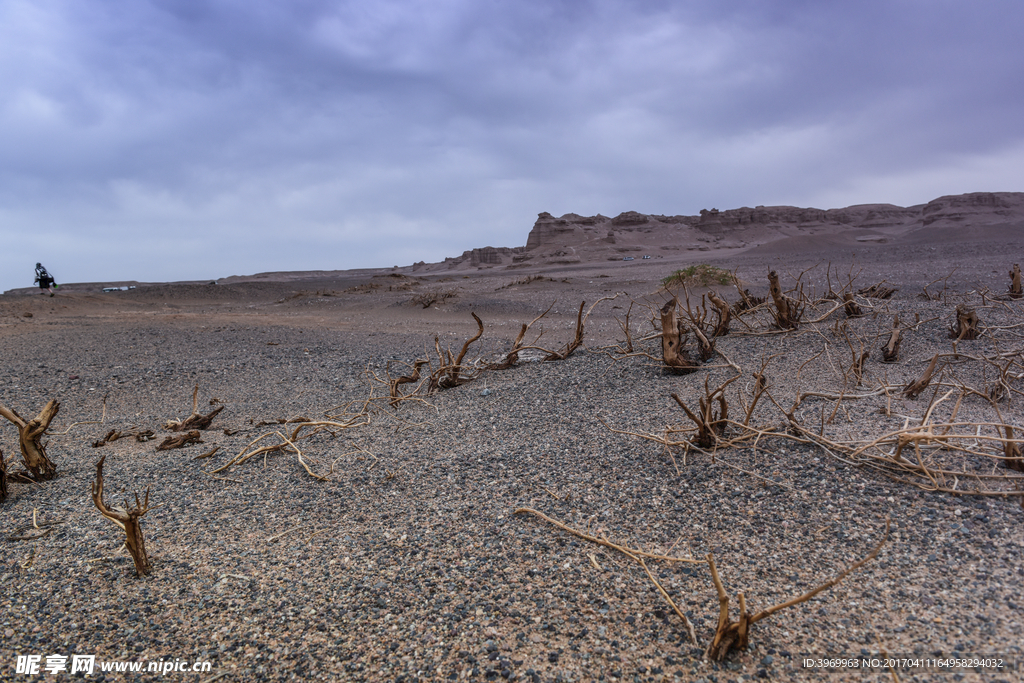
(408, 562)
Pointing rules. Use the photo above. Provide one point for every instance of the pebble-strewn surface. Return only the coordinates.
(408, 563)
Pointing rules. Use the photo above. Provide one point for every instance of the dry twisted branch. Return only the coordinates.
(30, 435)
(127, 519)
(735, 634)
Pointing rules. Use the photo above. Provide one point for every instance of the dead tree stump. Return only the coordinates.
(1011, 450)
(891, 350)
(30, 433)
(851, 307)
(966, 324)
(127, 519)
(672, 353)
(787, 311)
(1016, 290)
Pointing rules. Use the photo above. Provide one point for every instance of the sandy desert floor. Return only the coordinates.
(404, 559)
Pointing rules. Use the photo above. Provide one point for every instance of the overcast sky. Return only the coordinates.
(186, 139)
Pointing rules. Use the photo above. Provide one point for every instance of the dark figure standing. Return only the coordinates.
(44, 279)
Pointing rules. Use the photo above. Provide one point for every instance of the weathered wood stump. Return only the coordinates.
(1016, 289)
(724, 314)
(672, 353)
(1011, 450)
(891, 350)
(30, 435)
(966, 324)
(787, 311)
(851, 307)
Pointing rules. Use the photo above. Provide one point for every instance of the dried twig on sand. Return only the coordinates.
(512, 357)
(411, 378)
(141, 435)
(710, 427)
(33, 531)
(734, 634)
(633, 554)
(180, 441)
(288, 442)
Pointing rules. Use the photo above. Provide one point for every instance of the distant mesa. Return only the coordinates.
(574, 239)
(990, 207)
(484, 256)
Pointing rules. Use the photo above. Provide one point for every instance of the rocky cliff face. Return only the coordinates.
(569, 229)
(572, 229)
(989, 207)
(492, 256)
(572, 238)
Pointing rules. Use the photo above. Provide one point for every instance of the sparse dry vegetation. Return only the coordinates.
(434, 296)
(698, 275)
